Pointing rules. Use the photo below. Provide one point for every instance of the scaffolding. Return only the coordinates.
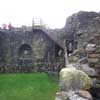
(37, 23)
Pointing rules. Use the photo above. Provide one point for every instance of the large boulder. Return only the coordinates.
(73, 79)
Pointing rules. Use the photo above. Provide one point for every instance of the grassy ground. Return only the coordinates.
(27, 87)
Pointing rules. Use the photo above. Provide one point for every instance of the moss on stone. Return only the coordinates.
(73, 79)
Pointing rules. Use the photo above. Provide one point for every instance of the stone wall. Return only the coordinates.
(27, 51)
(81, 26)
(87, 59)
(93, 56)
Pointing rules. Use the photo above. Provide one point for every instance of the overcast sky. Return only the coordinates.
(52, 12)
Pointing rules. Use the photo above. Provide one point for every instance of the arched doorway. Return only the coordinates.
(24, 56)
(25, 51)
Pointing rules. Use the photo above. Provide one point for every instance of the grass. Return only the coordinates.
(34, 86)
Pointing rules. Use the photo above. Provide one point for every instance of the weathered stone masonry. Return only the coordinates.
(29, 51)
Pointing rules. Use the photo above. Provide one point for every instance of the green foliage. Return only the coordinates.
(35, 86)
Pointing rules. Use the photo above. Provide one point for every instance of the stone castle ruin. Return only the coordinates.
(40, 49)
(83, 36)
(35, 49)
(27, 51)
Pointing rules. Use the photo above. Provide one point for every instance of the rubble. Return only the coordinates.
(83, 31)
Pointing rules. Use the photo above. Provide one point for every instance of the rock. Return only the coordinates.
(73, 95)
(72, 66)
(91, 47)
(73, 79)
(93, 60)
(77, 55)
(73, 59)
(85, 94)
(83, 60)
(87, 69)
(97, 50)
(62, 95)
(94, 55)
(81, 95)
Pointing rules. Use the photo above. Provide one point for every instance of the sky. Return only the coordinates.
(52, 12)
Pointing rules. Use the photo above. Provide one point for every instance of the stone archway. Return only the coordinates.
(24, 56)
(25, 51)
